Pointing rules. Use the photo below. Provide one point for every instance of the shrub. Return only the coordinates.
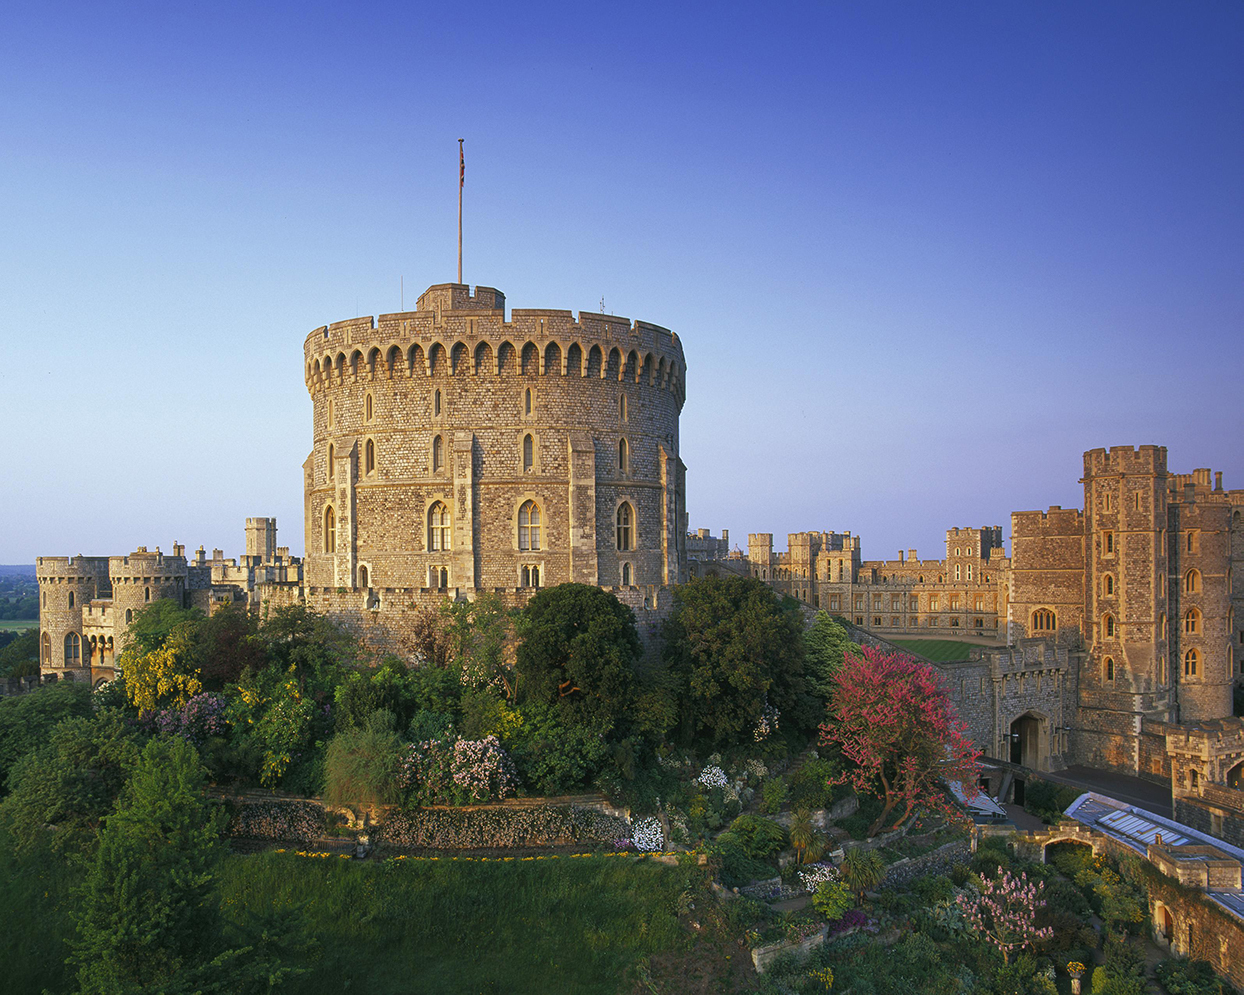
(759, 837)
(1048, 800)
(1191, 977)
(832, 899)
(361, 766)
(809, 785)
(772, 795)
(457, 771)
(934, 888)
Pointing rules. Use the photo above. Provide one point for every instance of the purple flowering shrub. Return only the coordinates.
(851, 919)
(457, 772)
(201, 717)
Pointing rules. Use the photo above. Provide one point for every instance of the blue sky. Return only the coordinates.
(920, 256)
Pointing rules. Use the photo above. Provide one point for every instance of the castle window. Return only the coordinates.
(146, 594)
(528, 452)
(913, 604)
(1105, 501)
(73, 650)
(129, 615)
(1108, 542)
(954, 602)
(920, 579)
(934, 603)
(969, 571)
(332, 413)
(369, 457)
(1194, 782)
(1192, 581)
(1162, 626)
(622, 407)
(530, 576)
(834, 603)
(876, 621)
(438, 454)
(527, 401)
(979, 603)
(1110, 668)
(47, 649)
(1108, 584)
(529, 527)
(436, 403)
(1191, 658)
(438, 526)
(957, 577)
(1044, 620)
(363, 576)
(625, 516)
(622, 456)
(1192, 622)
(1107, 624)
(1136, 501)
(71, 599)
(444, 578)
(330, 530)
(367, 408)
(1191, 542)
(332, 461)
(626, 575)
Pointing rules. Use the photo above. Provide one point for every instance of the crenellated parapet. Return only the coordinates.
(454, 333)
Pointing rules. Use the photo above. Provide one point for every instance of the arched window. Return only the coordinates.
(73, 650)
(332, 413)
(47, 649)
(1107, 625)
(369, 457)
(957, 577)
(1162, 626)
(129, 615)
(626, 575)
(622, 407)
(527, 401)
(1110, 668)
(367, 408)
(1108, 584)
(529, 453)
(1044, 620)
(969, 571)
(530, 576)
(330, 530)
(436, 402)
(332, 461)
(71, 599)
(1192, 621)
(1192, 581)
(362, 576)
(529, 527)
(1191, 658)
(438, 454)
(146, 594)
(622, 455)
(1191, 542)
(444, 578)
(438, 527)
(625, 517)
(1108, 542)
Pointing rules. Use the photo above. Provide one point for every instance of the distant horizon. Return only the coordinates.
(919, 259)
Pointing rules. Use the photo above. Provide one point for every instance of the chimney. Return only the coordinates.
(1218, 480)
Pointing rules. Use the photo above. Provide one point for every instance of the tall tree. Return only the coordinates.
(578, 653)
(827, 645)
(480, 633)
(891, 717)
(737, 652)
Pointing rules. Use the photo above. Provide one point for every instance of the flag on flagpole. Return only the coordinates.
(461, 166)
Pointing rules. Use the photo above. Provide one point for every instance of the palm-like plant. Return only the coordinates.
(808, 841)
(862, 870)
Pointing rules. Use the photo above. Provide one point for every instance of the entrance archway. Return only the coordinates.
(1235, 775)
(1163, 926)
(1030, 741)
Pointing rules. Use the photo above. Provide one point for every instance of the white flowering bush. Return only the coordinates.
(815, 875)
(646, 834)
(767, 724)
(756, 769)
(713, 777)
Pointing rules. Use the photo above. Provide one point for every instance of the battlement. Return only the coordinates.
(1125, 459)
(1057, 521)
(443, 297)
(49, 567)
(476, 340)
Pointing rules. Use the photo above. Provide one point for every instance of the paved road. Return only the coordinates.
(1155, 798)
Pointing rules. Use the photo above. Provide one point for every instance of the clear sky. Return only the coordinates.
(920, 255)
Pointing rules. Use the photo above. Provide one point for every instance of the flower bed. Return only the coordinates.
(449, 829)
(290, 820)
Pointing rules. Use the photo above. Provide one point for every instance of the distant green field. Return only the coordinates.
(937, 650)
(18, 624)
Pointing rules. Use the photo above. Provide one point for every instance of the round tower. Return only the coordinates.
(66, 586)
(453, 448)
(138, 580)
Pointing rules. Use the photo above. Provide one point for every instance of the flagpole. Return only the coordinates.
(461, 180)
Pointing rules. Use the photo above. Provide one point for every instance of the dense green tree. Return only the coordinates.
(19, 657)
(826, 644)
(361, 766)
(737, 652)
(862, 870)
(299, 637)
(480, 635)
(27, 720)
(227, 645)
(71, 782)
(154, 624)
(579, 652)
(147, 920)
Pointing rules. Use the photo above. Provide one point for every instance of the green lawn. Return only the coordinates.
(937, 650)
(571, 925)
(18, 624)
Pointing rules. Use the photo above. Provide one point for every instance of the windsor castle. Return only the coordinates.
(456, 450)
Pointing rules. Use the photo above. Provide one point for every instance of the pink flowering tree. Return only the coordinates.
(1004, 911)
(891, 717)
